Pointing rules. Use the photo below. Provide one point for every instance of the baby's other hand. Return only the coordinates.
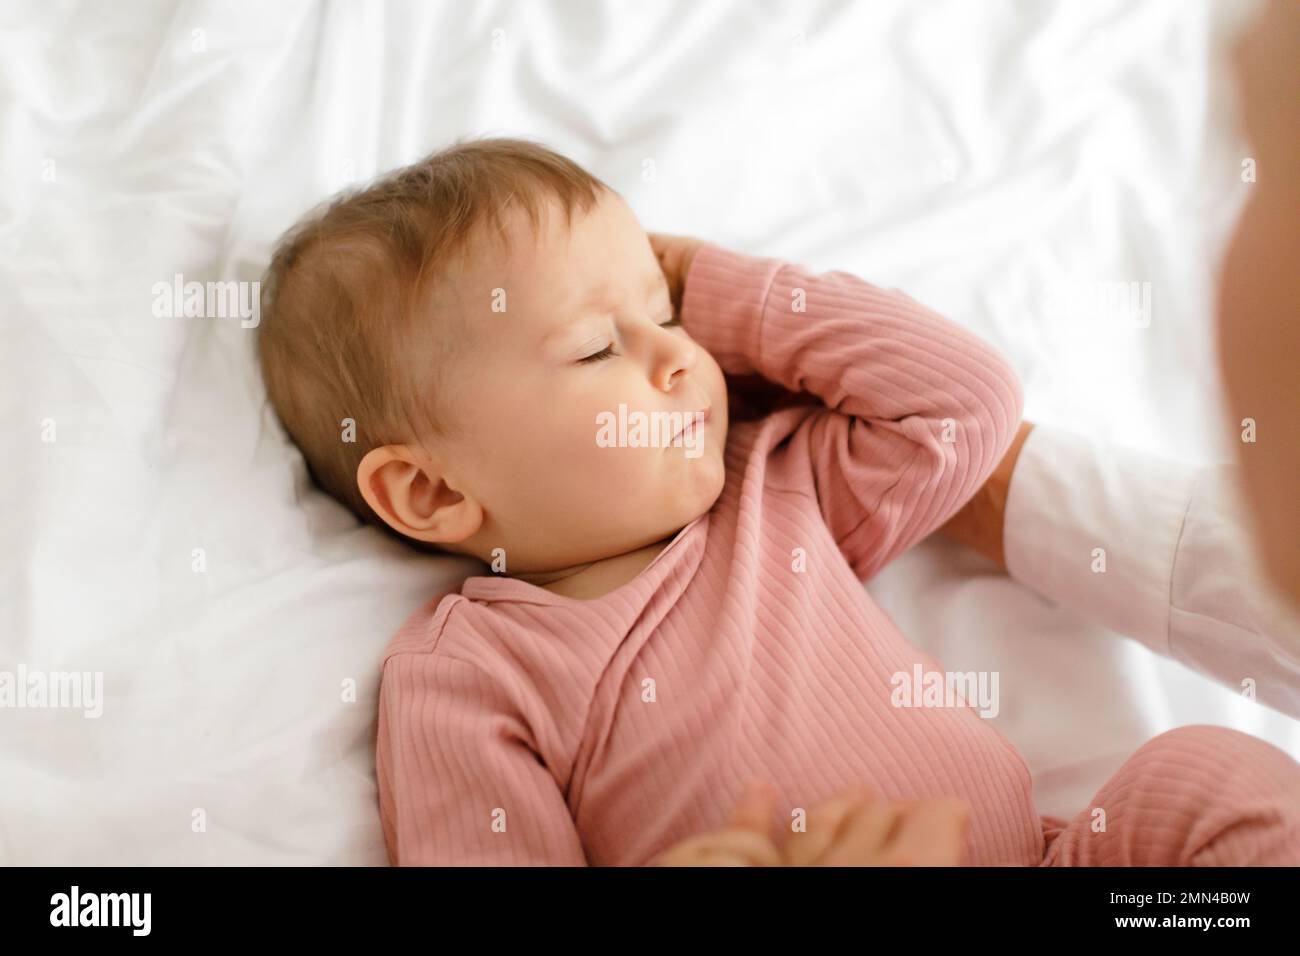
(857, 829)
(746, 841)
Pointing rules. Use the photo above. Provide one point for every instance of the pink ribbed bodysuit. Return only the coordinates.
(518, 726)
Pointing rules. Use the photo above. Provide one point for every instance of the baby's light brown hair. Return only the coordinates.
(349, 329)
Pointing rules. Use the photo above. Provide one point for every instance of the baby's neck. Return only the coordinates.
(598, 578)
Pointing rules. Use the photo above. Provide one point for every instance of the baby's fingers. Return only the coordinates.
(826, 824)
(930, 833)
(724, 848)
(864, 838)
(754, 809)
(740, 848)
(674, 254)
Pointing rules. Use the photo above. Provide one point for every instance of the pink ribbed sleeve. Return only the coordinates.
(920, 410)
(460, 784)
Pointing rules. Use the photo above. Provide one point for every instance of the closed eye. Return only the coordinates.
(603, 354)
(608, 351)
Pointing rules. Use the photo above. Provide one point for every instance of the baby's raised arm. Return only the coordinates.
(918, 410)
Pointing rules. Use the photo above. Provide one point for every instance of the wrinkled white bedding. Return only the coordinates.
(977, 155)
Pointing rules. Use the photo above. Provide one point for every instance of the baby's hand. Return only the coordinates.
(857, 829)
(674, 254)
(746, 841)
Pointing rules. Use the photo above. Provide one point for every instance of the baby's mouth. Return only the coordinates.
(695, 420)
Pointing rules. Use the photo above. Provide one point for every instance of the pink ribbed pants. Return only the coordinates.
(1194, 796)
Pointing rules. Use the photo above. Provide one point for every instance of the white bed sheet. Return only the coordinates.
(975, 154)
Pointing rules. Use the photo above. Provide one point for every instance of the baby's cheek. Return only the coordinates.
(626, 471)
(591, 452)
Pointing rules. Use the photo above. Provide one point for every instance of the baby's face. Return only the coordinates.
(582, 324)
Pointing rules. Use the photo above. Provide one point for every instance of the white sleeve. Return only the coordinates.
(1154, 549)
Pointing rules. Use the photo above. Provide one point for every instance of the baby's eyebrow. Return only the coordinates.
(599, 296)
(598, 299)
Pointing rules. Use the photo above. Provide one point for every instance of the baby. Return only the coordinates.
(675, 612)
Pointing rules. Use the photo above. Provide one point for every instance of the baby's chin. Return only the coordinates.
(663, 512)
(700, 489)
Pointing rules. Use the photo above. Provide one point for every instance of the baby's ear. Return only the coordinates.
(404, 486)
